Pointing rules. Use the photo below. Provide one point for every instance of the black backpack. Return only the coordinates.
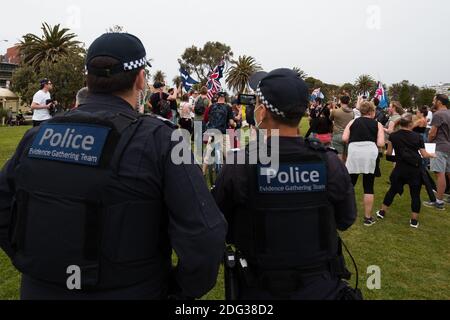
(164, 106)
(200, 106)
(382, 117)
(218, 116)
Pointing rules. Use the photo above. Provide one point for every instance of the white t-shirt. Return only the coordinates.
(192, 100)
(357, 113)
(429, 119)
(41, 98)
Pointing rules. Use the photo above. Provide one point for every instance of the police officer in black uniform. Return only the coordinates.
(91, 203)
(284, 223)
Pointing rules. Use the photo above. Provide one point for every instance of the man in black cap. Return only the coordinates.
(42, 103)
(102, 225)
(283, 221)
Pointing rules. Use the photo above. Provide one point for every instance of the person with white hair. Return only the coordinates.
(81, 97)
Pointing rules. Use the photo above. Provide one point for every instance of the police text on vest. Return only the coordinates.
(76, 143)
(293, 178)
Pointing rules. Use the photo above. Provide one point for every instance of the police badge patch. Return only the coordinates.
(293, 178)
(74, 143)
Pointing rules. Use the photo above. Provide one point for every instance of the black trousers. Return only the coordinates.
(368, 182)
(406, 175)
(414, 191)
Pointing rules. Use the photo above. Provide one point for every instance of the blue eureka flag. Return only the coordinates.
(188, 82)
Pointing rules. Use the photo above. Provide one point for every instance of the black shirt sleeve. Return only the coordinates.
(341, 193)
(197, 228)
(230, 114)
(421, 142)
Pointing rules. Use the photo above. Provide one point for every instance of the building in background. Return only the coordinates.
(9, 99)
(441, 88)
(13, 55)
(8, 63)
(6, 72)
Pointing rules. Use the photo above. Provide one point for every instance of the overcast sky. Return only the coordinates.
(333, 40)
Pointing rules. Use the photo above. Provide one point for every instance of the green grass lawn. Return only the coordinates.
(415, 264)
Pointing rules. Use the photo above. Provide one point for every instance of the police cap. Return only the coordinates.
(124, 47)
(282, 91)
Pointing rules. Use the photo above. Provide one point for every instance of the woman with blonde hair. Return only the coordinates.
(364, 135)
(395, 113)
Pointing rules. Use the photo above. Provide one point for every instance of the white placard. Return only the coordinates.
(430, 147)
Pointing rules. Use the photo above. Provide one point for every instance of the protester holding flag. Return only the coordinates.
(213, 84)
(381, 95)
(315, 112)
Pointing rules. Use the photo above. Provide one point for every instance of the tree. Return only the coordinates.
(425, 97)
(159, 76)
(201, 61)
(54, 44)
(67, 75)
(405, 97)
(394, 91)
(24, 82)
(177, 81)
(240, 72)
(301, 74)
(313, 83)
(414, 93)
(365, 83)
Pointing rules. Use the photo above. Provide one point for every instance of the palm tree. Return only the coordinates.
(365, 83)
(159, 76)
(177, 81)
(240, 72)
(55, 43)
(301, 74)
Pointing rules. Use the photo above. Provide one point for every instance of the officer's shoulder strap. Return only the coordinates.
(127, 126)
(167, 122)
(318, 146)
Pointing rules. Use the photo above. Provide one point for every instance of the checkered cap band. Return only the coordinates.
(136, 64)
(268, 105)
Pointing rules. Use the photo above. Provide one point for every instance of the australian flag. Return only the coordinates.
(382, 96)
(214, 86)
(188, 82)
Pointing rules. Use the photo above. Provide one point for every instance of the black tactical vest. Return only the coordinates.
(72, 210)
(288, 222)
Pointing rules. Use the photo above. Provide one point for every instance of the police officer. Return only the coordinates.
(94, 204)
(284, 222)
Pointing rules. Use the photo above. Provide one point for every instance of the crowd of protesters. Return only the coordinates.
(361, 135)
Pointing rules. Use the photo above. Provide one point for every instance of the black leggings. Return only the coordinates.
(368, 182)
(415, 197)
